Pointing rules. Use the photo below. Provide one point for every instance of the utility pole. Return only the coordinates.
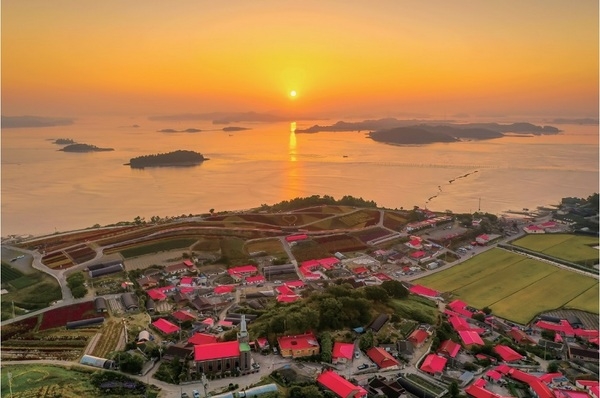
(10, 383)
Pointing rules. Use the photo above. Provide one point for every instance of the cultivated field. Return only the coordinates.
(586, 301)
(505, 281)
(575, 248)
(46, 381)
(272, 247)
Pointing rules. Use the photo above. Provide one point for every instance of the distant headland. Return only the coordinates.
(177, 158)
(84, 148)
(419, 132)
(190, 130)
(235, 128)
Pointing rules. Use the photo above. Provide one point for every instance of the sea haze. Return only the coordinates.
(45, 190)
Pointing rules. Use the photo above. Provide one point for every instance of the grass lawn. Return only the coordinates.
(415, 308)
(574, 248)
(272, 247)
(39, 292)
(9, 273)
(505, 281)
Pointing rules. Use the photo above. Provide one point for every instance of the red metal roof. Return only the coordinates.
(222, 289)
(244, 269)
(207, 352)
(156, 295)
(470, 337)
(507, 354)
(449, 348)
(188, 263)
(382, 358)
(418, 336)
(494, 375)
(306, 340)
(563, 327)
(165, 326)
(202, 338)
(208, 321)
(423, 291)
(283, 289)
(294, 284)
(343, 350)
(382, 276)
(310, 264)
(285, 298)
(360, 270)
(183, 315)
(433, 364)
(328, 262)
(418, 254)
(340, 386)
(255, 279)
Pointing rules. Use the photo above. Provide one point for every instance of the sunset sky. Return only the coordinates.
(384, 58)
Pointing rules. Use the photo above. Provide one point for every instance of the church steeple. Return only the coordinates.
(243, 333)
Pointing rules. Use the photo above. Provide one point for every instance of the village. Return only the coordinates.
(190, 320)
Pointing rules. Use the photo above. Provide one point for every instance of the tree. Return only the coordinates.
(395, 289)
(376, 293)
(552, 367)
(366, 341)
(79, 291)
(326, 347)
(479, 316)
(454, 390)
(130, 363)
(486, 310)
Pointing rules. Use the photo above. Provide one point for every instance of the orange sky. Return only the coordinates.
(384, 58)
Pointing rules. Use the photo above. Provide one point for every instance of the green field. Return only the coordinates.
(9, 273)
(575, 248)
(513, 286)
(51, 381)
(165, 245)
(40, 291)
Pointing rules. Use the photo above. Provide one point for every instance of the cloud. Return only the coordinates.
(34, 121)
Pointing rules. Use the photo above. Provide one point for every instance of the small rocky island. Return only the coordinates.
(235, 128)
(177, 158)
(84, 148)
(64, 141)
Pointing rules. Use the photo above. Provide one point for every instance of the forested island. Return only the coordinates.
(234, 128)
(84, 148)
(190, 130)
(176, 158)
(64, 141)
(408, 132)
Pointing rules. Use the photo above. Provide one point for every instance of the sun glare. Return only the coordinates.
(293, 93)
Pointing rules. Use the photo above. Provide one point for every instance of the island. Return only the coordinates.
(407, 132)
(234, 128)
(64, 141)
(84, 148)
(177, 158)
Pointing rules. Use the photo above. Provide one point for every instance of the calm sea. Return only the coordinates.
(45, 190)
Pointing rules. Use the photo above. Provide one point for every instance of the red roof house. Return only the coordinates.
(287, 298)
(418, 254)
(328, 262)
(470, 338)
(207, 352)
(460, 307)
(156, 295)
(360, 270)
(418, 337)
(186, 281)
(507, 354)
(520, 337)
(183, 315)
(295, 284)
(202, 338)
(340, 386)
(423, 291)
(283, 289)
(342, 351)
(449, 348)
(224, 289)
(433, 364)
(188, 263)
(303, 345)
(382, 358)
(244, 270)
(165, 326)
(250, 280)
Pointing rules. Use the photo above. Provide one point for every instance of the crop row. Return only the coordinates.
(82, 254)
(60, 316)
(53, 243)
(372, 234)
(48, 353)
(25, 325)
(111, 334)
(43, 343)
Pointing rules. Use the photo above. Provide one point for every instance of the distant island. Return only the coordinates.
(176, 158)
(190, 130)
(234, 128)
(64, 141)
(407, 132)
(84, 148)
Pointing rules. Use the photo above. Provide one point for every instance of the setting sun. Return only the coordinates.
(293, 93)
